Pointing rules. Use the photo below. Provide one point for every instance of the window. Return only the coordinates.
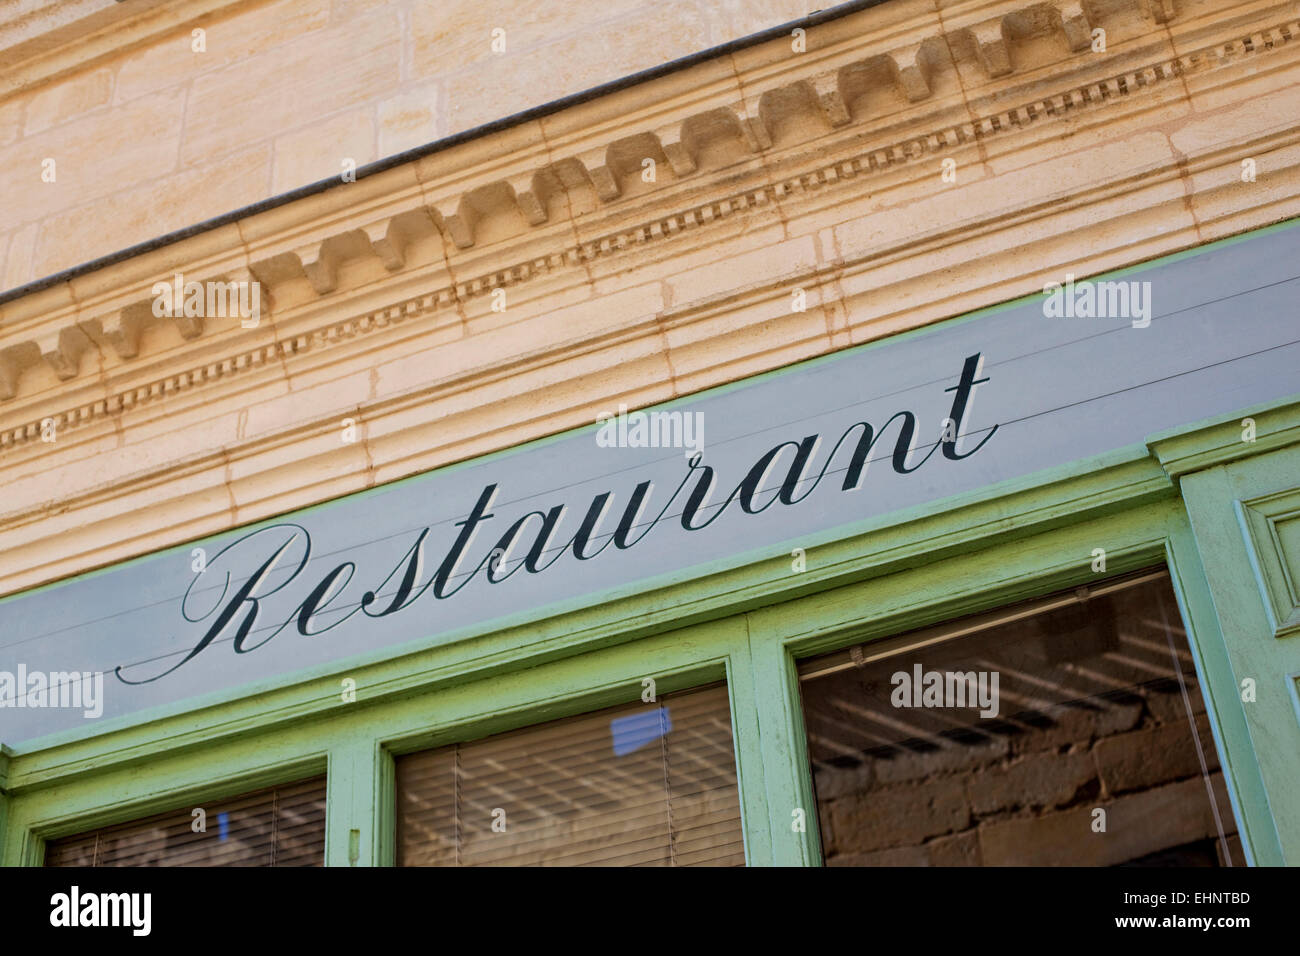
(280, 826)
(1071, 731)
(637, 785)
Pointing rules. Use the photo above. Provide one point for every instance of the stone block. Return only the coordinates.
(1147, 757)
(61, 101)
(1036, 780)
(318, 151)
(307, 78)
(1136, 825)
(170, 60)
(899, 816)
(411, 118)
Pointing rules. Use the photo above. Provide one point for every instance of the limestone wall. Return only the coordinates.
(151, 136)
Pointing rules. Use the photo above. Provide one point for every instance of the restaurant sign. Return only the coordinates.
(726, 476)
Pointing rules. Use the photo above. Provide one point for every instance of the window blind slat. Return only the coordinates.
(635, 785)
(278, 826)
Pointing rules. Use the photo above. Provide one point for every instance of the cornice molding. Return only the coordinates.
(1225, 440)
(512, 183)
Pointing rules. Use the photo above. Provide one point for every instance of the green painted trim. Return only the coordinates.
(746, 703)
(783, 743)
(357, 745)
(1219, 686)
(189, 780)
(1258, 519)
(1032, 540)
(1293, 684)
(353, 791)
(1154, 534)
(4, 798)
(1219, 440)
(72, 788)
(385, 820)
(1214, 498)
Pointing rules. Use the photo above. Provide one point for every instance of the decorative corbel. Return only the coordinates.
(529, 198)
(752, 129)
(1075, 23)
(603, 180)
(62, 350)
(911, 70)
(13, 362)
(827, 89)
(1160, 11)
(119, 329)
(991, 47)
(319, 265)
(455, 220)
(680, 155)
(387, 242)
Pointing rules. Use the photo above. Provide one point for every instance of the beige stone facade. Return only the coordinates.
(155, 128)
(814, 165)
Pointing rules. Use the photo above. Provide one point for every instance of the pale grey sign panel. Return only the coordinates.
(988, 399)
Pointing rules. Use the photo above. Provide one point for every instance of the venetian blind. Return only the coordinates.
(279, 826)
(635, 785)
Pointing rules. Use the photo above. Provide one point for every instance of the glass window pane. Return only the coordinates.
(636, 785)
(1068, 732)
(279, 826)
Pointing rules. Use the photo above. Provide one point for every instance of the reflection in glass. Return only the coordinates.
(1098, 751)
(279, 826)
(645, 784)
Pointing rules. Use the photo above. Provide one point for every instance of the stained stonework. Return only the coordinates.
(820, 171)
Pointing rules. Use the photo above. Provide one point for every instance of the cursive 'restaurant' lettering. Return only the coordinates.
(533, 542)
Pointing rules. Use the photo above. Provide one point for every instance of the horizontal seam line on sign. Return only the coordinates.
(419, 152)
(883, 455)
(789, 423)
(344, 607)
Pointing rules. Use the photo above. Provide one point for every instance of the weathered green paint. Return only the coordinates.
(1272, 526)
(352, 795)
(1219, 688)
(786, 780)
(746, 707)
(1215, 500)
(1227, 478)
